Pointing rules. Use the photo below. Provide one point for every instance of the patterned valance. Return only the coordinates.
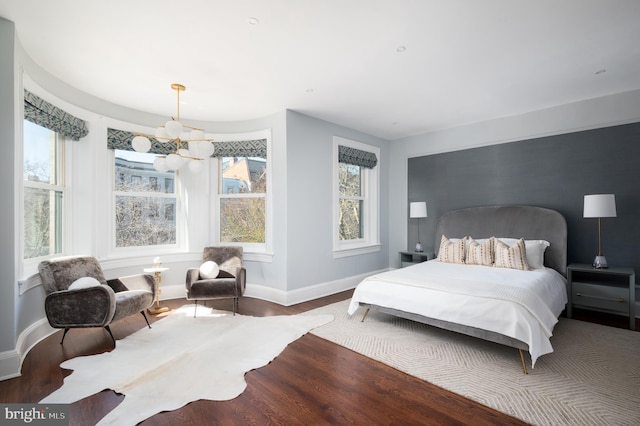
(121, 139)
(357, 157)
(42, 113)
(249, 148)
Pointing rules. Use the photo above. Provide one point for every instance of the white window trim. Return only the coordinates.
(116, 252)
(370, 243)
(257, 252)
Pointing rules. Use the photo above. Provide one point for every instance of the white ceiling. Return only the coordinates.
(464, 61)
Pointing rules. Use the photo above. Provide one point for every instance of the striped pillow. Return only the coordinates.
(451, 251)
(479, 253)
(514, 257)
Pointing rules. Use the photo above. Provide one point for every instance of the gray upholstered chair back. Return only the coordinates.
(58, 274)
(228, 258)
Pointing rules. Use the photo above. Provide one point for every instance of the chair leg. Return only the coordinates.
(145, 318)
(234, 301)
(195, 309)
(66, 330)
(110, 334)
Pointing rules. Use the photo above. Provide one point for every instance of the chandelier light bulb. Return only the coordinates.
(184, 152)
(160, 164)
(161, 135)
(174, 161)
(173, 128)
(141, 144)
(196, 135)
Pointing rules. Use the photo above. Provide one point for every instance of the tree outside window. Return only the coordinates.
(242, 196)
(43, 172)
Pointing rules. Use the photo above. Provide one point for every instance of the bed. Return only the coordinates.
(508, 306)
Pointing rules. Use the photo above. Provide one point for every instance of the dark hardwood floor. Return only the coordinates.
(313, 382)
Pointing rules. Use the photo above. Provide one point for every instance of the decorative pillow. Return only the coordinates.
(479, 253)
(84, 282)
(209, 269)
(451, 251)
(535, 250)
(514, 257)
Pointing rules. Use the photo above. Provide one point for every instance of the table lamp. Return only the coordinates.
(600, 205)
(418, 210)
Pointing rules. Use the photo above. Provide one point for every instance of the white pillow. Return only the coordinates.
(84, 282)
(209, 269)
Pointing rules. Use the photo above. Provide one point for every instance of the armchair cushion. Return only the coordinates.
(85, 307)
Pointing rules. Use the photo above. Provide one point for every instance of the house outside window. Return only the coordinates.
(44, 190)
(356, 208)
(140, 194)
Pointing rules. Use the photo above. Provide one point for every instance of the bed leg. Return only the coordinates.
(524, 365)
(365, 315)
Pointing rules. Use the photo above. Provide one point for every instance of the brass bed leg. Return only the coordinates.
(365, 315)
(524, 366)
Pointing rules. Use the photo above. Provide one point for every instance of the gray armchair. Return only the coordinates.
(230, 282)
(92, 306)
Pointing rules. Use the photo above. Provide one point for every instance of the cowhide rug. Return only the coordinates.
(182, 359)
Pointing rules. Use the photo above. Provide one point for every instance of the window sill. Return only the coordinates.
(356, 251)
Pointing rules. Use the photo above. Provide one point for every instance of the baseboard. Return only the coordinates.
(9, 364)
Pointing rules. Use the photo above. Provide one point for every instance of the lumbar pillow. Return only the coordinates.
(84, 282)
(451, 251)
(209, 269)
(514, 257)
(479, 253)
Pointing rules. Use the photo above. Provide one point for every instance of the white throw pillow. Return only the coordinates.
(209, 269)
(84, 282)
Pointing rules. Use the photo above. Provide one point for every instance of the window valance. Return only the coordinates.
(357, 157)
(44, 114)
(121, 139)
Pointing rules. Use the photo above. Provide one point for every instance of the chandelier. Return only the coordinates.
(191, 145)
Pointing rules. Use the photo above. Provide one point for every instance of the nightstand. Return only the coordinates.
(611, 290)
(412, 257)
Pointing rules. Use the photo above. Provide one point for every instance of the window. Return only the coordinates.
(43, 171)
(356, 198)
(141, 194)
(242, 199)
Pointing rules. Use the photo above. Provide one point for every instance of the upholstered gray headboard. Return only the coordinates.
(528, 222)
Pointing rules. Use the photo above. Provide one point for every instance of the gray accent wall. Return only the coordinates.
(554, 172)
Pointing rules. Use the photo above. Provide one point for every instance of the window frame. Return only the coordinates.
(178, 213)
(62, 167)
(370, 193)
(260, 252)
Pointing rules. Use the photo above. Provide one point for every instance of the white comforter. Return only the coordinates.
(524, 305)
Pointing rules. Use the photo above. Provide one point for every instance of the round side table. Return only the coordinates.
(157, 276)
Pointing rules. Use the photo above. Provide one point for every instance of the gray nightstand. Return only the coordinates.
(412, 257)
(611, 290)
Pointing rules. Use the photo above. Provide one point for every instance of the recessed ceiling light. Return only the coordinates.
(253, 21)
(400, 49)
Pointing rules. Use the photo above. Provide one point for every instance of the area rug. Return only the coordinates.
(182, 359)
(591, 378)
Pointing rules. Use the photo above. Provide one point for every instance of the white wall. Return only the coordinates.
(588, 114)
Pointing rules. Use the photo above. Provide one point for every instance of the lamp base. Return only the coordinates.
(600, 262)
(419, 248)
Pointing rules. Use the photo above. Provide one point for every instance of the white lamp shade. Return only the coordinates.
(418, 209)
(161, 135)
(600, 205)
(160, 164)
(174, 161)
